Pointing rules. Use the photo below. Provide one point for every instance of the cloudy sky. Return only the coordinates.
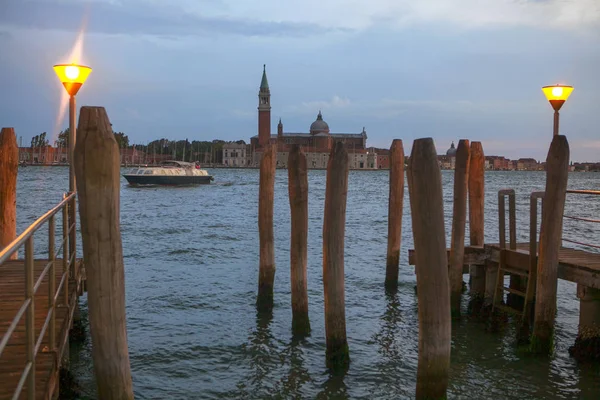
(448, 69)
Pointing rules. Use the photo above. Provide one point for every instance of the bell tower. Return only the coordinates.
(264, 110)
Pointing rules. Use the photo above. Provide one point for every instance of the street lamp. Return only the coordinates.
(557, 95)
(72, 76)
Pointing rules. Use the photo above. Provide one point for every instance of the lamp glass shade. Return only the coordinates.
(557, 92)
(72, 76)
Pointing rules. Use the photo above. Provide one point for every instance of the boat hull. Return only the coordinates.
(168, 180)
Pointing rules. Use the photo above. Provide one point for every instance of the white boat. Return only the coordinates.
(169, 173)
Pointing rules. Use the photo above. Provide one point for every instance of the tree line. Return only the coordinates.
(184, 150)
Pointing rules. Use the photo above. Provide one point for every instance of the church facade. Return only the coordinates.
(316, 143)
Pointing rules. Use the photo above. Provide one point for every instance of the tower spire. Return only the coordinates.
(264, 84)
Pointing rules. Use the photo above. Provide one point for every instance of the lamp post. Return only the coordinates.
(557, 95)
(72, 76)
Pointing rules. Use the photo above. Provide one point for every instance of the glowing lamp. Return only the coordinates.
(557, 95)
(72, 76)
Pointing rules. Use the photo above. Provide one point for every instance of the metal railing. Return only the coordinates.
(56, 295)
(581, 219)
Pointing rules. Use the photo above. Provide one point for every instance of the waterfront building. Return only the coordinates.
(316, 143)
(43, 155)
(448, 161)
(527, 164)
(237, 154)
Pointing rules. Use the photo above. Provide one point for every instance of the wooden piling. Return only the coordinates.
(459, 220)
(557, 165)
(334, 224)
(427, 209)
(395, 208)
(98, 180)
(476, 221)
(587, 344)
(266, 273)
(9, 166)
(298, 192)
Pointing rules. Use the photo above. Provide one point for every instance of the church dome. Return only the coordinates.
(451, 151)
(319, 126)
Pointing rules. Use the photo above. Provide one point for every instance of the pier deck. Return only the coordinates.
(574, 265)
(12, 297)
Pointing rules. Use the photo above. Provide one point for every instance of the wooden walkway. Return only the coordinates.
(574, 265)
(13, 359)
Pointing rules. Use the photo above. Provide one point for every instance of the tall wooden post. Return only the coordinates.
(433, 290)
(396, 199)
(98, 189)
(9, 166)
(476, 221)
(557, 165)
(459, 220)
(334, 224)
(298, 192)
(266, 273)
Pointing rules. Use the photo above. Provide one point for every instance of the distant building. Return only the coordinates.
(448, 161)
(43, 155)
(316, 143)
(527, 164)
(237, 155)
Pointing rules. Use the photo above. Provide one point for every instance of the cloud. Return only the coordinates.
(361, 14)
(336, 102)
(142, 17)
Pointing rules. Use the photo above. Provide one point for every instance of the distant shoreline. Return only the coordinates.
(254, 168)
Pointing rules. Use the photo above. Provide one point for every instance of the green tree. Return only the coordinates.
(122, 139)
(63, 139)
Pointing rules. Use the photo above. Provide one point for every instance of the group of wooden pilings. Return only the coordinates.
(97, 173)
(439, 277)
(334, 224)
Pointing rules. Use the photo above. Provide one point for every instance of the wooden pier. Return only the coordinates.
(38, 301)
(577, 266)
(12, 298)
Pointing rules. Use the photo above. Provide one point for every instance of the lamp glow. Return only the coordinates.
(72, 76)
(557, 95)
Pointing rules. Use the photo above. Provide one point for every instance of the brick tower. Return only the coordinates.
(264, 111)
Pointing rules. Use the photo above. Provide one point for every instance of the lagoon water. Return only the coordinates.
(191, 262)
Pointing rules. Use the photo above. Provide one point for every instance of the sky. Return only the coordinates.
(447, 69)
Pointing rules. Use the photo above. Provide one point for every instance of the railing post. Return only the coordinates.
(502, 220)
(30, 318)
(51, 283)
(65, 260)
(72, 236)
(516, 282)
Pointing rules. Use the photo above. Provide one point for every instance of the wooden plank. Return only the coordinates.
(474, 255)
(12, 360)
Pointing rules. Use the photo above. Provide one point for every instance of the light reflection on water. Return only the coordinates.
(191, 257)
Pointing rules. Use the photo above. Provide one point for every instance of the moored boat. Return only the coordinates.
(169, 173)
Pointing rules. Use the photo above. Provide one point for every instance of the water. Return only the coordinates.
(191, 260)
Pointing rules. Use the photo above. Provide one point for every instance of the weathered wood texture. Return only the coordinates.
(395, 210)
(266, 273)
(476, 215)
(557, 165)
(334, 225)
(298, 193)
(97, 171)
(574, 265)
(9, 165)
(13, 359)
(433, 291)
(459, 220)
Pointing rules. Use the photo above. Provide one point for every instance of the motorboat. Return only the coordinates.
(169, 173)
